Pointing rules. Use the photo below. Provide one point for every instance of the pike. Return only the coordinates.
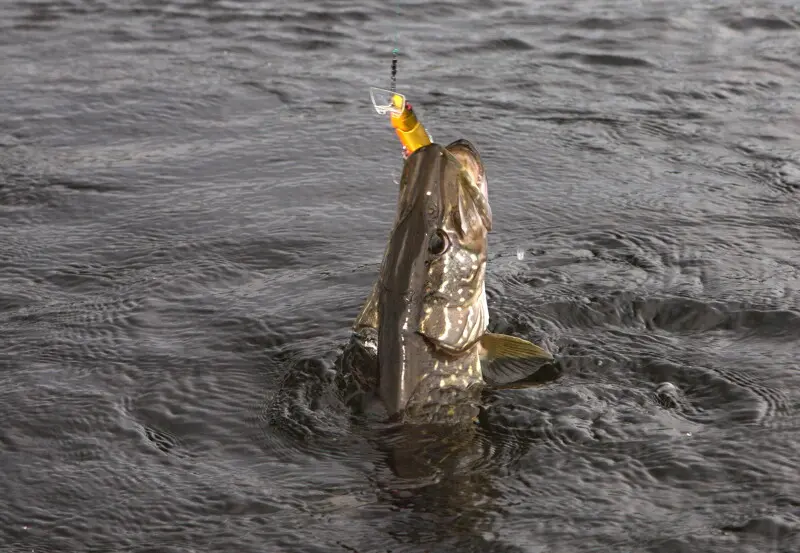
(425, 322)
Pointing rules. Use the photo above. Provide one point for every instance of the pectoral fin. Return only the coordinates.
(509, 362)
(500, 346)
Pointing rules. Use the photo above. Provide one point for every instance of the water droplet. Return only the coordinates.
(520, 254)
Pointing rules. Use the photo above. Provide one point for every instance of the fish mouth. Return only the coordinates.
(466, 154)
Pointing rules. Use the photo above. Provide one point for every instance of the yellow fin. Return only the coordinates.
(497, 346)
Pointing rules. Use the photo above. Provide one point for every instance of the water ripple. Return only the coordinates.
(194, 202)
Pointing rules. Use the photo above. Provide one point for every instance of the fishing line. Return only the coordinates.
(394, 70)
(396, 49)
(409, 130)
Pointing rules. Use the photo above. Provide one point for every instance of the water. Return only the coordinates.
(194, 199)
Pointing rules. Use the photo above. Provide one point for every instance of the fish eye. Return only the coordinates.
(439, 242)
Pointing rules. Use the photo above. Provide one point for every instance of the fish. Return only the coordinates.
(422, 332)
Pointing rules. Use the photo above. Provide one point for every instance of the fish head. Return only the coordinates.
(432, 301)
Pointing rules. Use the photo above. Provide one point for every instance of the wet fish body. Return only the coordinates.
(426, 318)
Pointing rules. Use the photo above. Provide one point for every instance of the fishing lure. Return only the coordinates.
(409, 129)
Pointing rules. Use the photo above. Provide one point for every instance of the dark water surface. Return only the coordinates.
(194, 199)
